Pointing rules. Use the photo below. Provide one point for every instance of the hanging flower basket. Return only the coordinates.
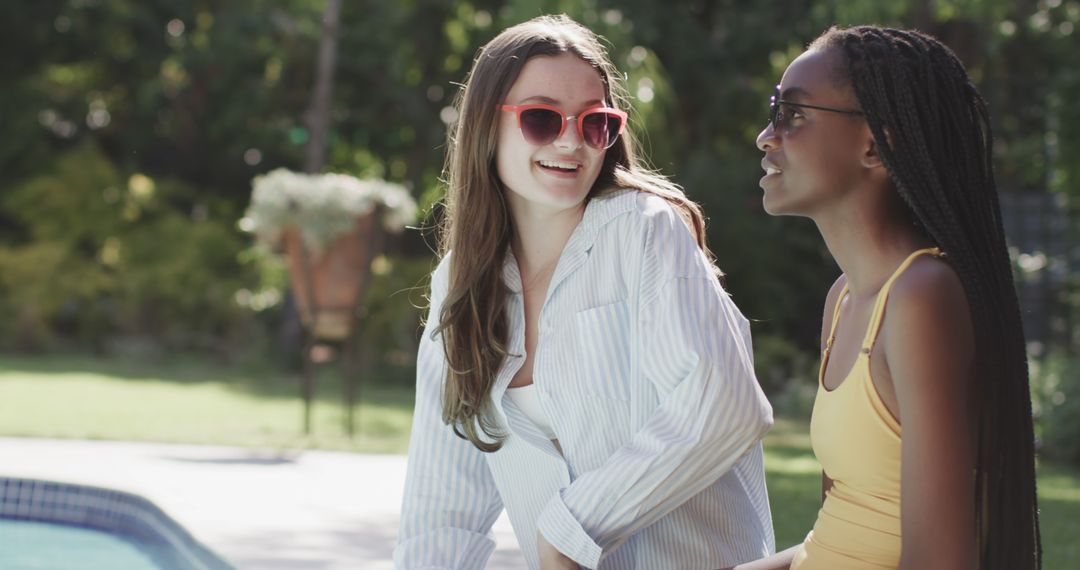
(330, 227)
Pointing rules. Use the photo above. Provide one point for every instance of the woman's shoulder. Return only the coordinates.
(640, 203)
(928, 304)
(927, 286)
(651, 228)
(641, 211)
(651, 206)
(626, 216)
(928, 340)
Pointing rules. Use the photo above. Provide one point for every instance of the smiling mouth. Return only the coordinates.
(559, 165)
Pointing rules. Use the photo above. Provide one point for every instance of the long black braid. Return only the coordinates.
(935, 139)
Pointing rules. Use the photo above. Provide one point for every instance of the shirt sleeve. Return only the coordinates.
(694, 347)
(450, 500)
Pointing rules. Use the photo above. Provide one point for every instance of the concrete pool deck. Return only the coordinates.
(312, 510)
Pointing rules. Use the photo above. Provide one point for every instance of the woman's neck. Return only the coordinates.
(868, 244)
(540, 235)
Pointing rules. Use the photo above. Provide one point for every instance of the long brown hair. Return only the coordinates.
(934, 132)
(477, 225)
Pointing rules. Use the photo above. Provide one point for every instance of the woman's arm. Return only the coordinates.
(450, 500)
(929, 350)
(551, 558)
(695, 349)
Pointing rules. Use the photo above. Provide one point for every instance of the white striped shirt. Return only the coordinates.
(643, 365)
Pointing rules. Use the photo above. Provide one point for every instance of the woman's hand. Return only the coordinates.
(778, 561)
(551, 558)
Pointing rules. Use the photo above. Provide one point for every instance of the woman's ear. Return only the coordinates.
(871, 157)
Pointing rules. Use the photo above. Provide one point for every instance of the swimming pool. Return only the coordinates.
(46, 525)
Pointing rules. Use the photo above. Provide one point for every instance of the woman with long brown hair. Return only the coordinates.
(581, 365)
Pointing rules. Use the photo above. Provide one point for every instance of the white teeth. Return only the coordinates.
(559, 164)
(773, 171)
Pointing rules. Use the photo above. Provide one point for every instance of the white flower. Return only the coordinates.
(322, 207)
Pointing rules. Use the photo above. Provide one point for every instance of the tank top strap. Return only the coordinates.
(877, 316)
(835, 319)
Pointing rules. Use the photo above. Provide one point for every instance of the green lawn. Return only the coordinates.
(192, 401)
(794, 478)
(195, 401)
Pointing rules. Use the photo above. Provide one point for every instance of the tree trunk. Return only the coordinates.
(318, 114)
(924, 15)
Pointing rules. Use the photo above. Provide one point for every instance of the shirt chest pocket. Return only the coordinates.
(602, 362)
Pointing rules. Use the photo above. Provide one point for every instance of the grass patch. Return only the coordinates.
(794, 479)
(185, 400)
(1059, 506)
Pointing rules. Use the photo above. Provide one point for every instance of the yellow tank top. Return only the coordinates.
(857, 441)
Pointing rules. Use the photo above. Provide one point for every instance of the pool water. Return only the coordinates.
(44, 546)
(50, 525)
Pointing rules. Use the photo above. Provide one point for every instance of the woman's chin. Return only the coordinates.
(772, 204)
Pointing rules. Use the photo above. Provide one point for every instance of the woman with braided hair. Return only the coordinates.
(922, 420)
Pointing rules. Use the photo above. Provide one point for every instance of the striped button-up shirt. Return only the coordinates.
(643, 365)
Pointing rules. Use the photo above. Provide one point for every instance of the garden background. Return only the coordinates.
(134, 306)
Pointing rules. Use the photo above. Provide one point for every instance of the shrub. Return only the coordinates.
(1056, 402)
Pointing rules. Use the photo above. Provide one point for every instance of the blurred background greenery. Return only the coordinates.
(132, 130)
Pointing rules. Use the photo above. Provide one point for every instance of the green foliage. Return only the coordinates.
(38, 283)
(99, 256)
(1056, 391)
(195, 98)
(779, 363)
(63, 219)
(787, 373)
(178, 281)
(76, 201)
(395, 304)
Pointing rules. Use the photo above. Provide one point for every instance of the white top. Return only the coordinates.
(526, 399)
(645, 370)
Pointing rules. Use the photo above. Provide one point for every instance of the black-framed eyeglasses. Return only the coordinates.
(779, 117)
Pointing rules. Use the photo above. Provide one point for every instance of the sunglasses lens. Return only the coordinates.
(540, 126)
(774, 108)
(600, 129)
(781, 114)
